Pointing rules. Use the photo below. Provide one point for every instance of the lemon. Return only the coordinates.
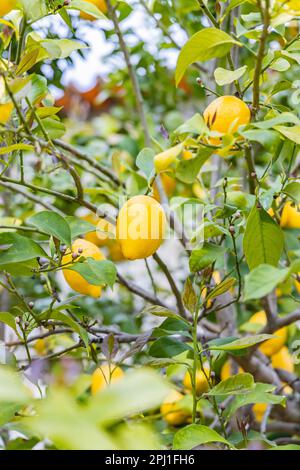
(105, 375)
(290, 217)
(74, 279)
(100, 4)
(6, 6)
(225, 114)
(141, 226)
(171, 411)
(202, 385)
(271, 346)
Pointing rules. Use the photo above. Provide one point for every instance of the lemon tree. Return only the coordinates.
(149, 226)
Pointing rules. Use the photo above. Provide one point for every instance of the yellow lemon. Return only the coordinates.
(292, 7)
(141, 226)
(169, 185)
(171, 411)
(115, 252)
(227, 370)
(187, 155)
(41, 347)
(100, 4)
(105, 375)
(271, 346)
(201, 381)
(5, 112)
(163, 160)
(6, 6)
(102, 234)
(259, 410)
(290, 217)
(283, 360)
(74, 279)
(225, 114)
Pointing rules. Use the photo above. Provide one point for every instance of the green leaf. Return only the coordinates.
(8, 411)
(236, 385)
(263, 240)
(293, 191)
(34, 9)
(241, 343)
(86, 7)
(189, 296)
(194, 435)
(138, 391)
(98, 273)
(59, 316)
(14, 148)
(225, 77)
(260, 393)
(282, 118)
(174, 325)
(205, 256)
(61, 48)
(20, 249)
(79, 226)
(280, 86)
(29, 59)
(188, 170)
(21, 443)
(167, 347)
(202, 46)
(53, 126)
(66, 18)
(286, 447)
(280, 65)
(59, 418)
(144, 161)
(162, 312)
(267, 138)
(9, 320)
(194, 125)
(53, 224)
(262, 280)
(221, 288)
(285, 151)
(233, 4)
(291, 133)
(38, 89)
(12, 390)
(47, 111)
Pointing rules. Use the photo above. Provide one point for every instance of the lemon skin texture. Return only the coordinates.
(290, 217)
(141, 225)
(259, 410)
(202, 385)
(225, 115)
(283, 360)
(6, 6)
(99, 237)
(5, 112)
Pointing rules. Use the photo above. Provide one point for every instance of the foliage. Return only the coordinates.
(68, 165)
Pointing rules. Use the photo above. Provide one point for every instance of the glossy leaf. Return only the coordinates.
(195, 435)
(207, 44)
(53, 224)
(263, 240)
